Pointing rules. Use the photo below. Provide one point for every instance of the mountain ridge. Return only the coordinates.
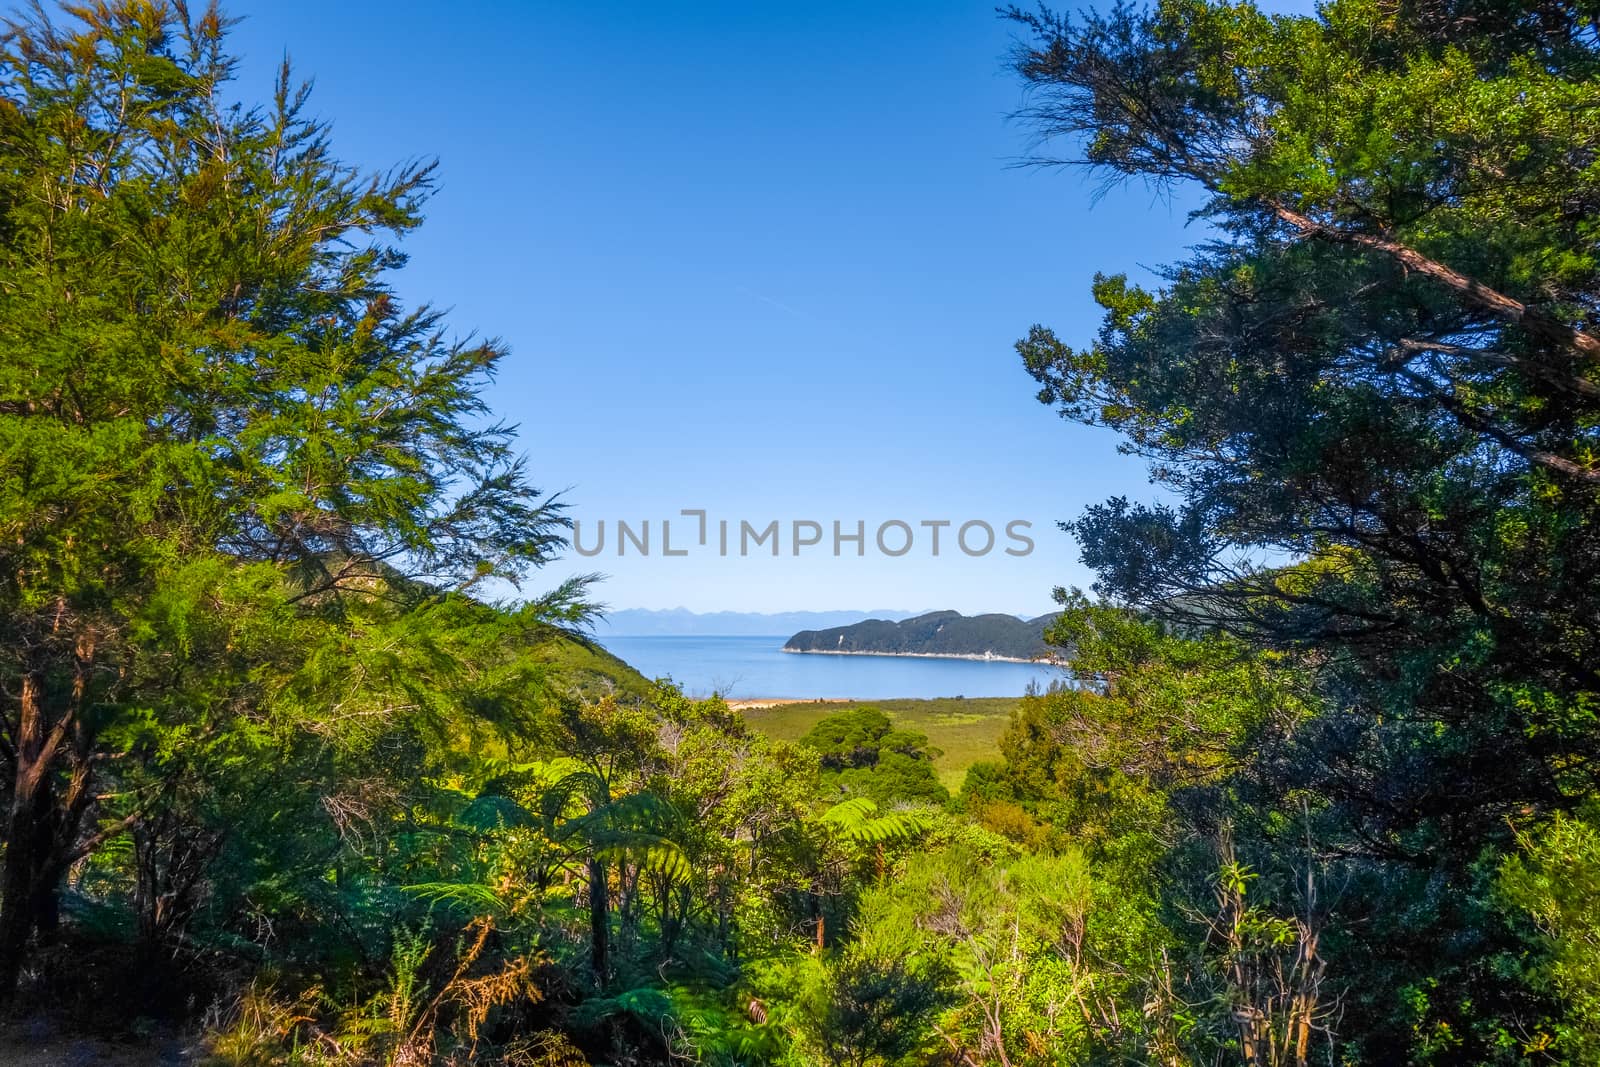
(934, 633)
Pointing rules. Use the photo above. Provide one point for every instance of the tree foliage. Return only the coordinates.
(864, 754)
(249, 497)
(1371, 396)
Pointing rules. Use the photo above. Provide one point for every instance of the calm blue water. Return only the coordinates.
(747, 668)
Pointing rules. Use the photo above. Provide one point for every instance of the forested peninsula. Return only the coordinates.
(938, 633)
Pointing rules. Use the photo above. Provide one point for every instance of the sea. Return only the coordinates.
(755, 668)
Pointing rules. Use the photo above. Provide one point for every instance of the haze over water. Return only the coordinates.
(752, 668)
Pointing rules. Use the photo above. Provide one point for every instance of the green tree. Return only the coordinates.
(1553, 882)
(230, 457)
(865, 1008)
(1382, 366)
(864, 754)
(612, 746)
(747, 804)
(1381, 362)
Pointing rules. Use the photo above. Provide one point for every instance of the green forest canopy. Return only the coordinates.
(278, 770)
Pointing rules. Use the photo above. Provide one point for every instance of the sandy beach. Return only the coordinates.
(770, 702)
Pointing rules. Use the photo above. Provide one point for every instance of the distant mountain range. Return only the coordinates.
(676, 622)
(938, 633)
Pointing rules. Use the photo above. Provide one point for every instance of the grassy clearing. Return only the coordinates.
(964, 729)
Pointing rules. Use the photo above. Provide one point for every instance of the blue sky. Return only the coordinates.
(767, 261)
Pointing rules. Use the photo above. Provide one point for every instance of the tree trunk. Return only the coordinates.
(599, 922)
(45, 878)
(41, 829)
(30, 904)
(46, 911)
(26, 837)
(16, 910)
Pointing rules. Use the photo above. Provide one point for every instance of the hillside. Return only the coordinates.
(938, 633)
(590, 670)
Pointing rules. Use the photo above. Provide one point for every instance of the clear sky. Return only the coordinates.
(764, 260)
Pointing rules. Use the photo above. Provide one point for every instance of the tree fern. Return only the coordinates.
(651, 853)
(857, 820)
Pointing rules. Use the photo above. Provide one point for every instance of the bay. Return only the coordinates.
(754, 668)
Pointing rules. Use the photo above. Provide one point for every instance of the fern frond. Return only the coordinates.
(471, 896)
(651, 853)
(495, 812)
(848, 815)
(636, 812)
(578, 786)
(857, 820)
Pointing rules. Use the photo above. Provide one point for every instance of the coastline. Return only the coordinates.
(983, 657)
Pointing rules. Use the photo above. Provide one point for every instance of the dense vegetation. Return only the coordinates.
(281, 770)
(938, 633)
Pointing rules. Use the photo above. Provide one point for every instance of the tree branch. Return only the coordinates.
(1407, 346)
(1473, 421)
(1497, 303)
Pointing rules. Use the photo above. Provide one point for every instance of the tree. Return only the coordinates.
(1015, 934)
(1373, 395)
(868, 1009)
(227, 451)
(612, 746)
(746, 802)
(1552, 883)
(863, 754)
(1270, 969)
(1343, 374)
